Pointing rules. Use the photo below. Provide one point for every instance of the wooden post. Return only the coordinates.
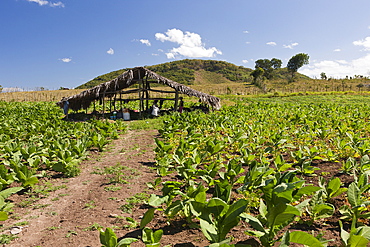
(120, 100)
(103, 104)
(176, 101)
(141, 106)
(147, 87)
(110, 104)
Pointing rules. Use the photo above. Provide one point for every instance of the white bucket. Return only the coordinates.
(126, 116)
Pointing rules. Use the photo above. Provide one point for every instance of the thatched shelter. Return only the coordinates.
(143, 77)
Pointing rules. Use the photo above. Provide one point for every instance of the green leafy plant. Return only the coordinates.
(270, 221)
(331, 188)
(233, 169)
(217, 218)
(194, 196)
(356, 237)
(150, 238)
(109, 239)
(318, 209)
(99, 141)
(304, 157)
(5, 207)
(256, 175)
(358, 201)
(24, 174)
(275, 210)
(349, 166)
(66, 163)
(303, 238)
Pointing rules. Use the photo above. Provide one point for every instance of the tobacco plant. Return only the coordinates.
(357, 200)
(151, 238)
(331, 188)
(359, 236)
(217, 218)
(109, 239)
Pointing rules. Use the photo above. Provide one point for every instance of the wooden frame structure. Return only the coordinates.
(143, 78)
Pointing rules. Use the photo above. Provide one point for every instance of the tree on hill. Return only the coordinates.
(276, 63)
(268, 66)
(323, 76)
(258, 78)
(296, 62)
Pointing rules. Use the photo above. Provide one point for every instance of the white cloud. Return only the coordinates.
(291, 46)
(110, 51)
(271, 43)
(245, 61)
(170, 55)
(247, 42)
(364, 42)
(342, 68)
(337, 50)
(245, 31)
(40, 2)
(58, 4)
(190, 44)
(145, 42)
(339, 68)
(44, 2)
(65, 60)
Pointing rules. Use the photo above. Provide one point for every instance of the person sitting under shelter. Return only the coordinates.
(155, 109)
(65, 107)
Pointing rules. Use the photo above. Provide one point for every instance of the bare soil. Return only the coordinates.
(70, 215)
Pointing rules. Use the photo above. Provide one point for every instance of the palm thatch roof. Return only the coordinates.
(84, 99)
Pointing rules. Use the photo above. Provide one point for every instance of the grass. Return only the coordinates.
(71, 233)
(90, 205)
(131, 223)
(6, 239)
(112, 188)
(146, 124)
(119, 174)
(38, 206)
(93, 227)
(40, 191)
(52, 228)
(132, 201)
(23, 223)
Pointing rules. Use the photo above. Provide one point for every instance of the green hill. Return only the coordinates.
(198, 72)
(188, 72)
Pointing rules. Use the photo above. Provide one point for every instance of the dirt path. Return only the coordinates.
(69, 215)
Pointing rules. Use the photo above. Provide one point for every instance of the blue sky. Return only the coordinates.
(65, 43)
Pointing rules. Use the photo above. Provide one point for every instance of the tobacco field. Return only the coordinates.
(34, 139)
(276, 169)
(251, 174)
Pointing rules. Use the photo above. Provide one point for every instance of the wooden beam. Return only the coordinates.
(176, 101)
(146, 99)
(162, 91)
